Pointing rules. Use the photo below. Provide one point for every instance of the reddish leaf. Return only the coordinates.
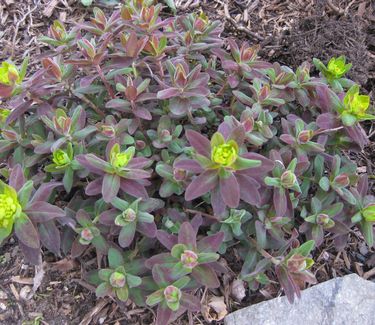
(230, 191)
(201, 185)
(110, 187)
(204, 275)
(200, 143)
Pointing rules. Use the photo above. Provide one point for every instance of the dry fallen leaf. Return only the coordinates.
(64, 265)
(215, 310)
(238, 291)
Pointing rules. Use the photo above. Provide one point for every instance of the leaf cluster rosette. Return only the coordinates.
(134, 122)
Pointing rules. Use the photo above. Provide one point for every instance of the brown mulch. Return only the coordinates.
(289, 32)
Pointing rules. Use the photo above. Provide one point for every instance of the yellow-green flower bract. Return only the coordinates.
(4, 113)
(337, 67)
(9, 74)
(225, 154)
(121, 159)
(368, 213)
(60, 158)
(355, 103)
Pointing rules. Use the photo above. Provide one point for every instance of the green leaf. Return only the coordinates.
(182, 282)
(24, 193)
(244, 163)
(348, 119)
(324, 184)
(367, 232)
(68, 179)
(122, 293)
(115, 258)
(171, 5)
(272, 181)
(177, 250)
(133, 281)
(305, 248)
(105, 274)
(207, 257)
(155, 298)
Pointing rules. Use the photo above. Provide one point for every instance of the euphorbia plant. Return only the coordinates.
(187, 255)
(121, 170)
(27, 213)
(218, 161)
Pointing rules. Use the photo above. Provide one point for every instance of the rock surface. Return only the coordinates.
(349, 300)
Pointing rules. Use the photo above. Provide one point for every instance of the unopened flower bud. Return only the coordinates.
(87, 235)
(165, 134)
(305, 136)
(140, 144)
(288, 179)
(179, 174)
(189, 259)
(341, 180)
(322, 219)
(248, 124)
(172, 294)
(117, 280)
(107, 130)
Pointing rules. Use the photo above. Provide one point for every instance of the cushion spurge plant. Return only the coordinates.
(161, 149)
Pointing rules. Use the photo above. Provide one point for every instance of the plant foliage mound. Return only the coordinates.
(160, 147)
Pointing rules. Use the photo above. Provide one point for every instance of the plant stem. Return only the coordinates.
(105, 81)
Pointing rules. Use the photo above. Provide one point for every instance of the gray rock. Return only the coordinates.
(349, 300)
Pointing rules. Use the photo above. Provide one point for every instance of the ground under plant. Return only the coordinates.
(159, 145)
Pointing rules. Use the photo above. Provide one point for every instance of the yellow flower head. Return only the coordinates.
(9, 74)
(8, 206)
(225, 154)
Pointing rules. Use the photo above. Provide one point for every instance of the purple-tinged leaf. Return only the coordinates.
(201, 185)
(190, 302)
(41, 211)
(108, 217)
(166, 239)
(139, 163)
(32, 255)
(287, 283)
(217, 202)
(280, 201)
(189, 165)
(362, 186)
(94, 187)
(147, 228)
(137, 174)
(164, 315)
(77, 248)
(133, 188)
(110, 187)
(249, 189)
(168, 93)
(196, 222)
(18, 111)
(187, 235)
(230, 190)
(26, 232)
(95, 165)
(211, 243)
(50, 236)
(327, 121)
(200, 143)
(126, 235)
(163, 258)
(204, 275)
(17, 177)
